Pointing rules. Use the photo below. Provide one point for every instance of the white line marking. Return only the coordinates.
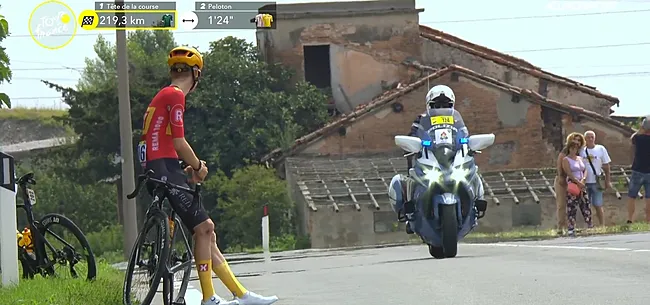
(559, 247)
(193, 296)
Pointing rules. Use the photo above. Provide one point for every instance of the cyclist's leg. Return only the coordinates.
(227, 277)
(222, 270)
(196, 218)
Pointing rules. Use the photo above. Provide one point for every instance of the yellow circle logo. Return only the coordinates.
(52, 24)
(88, 19)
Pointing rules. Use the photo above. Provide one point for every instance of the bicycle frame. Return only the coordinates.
(37, 229)
(159, 196)
(157, 205)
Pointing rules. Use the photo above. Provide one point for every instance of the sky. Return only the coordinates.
(574, 46)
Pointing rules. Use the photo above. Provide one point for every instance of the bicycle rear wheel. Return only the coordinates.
(179, 265)
(66, 248)
(148, 259)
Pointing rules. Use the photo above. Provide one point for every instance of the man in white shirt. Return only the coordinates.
(597, 159)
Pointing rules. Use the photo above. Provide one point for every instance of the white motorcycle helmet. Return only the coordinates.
(440, 96)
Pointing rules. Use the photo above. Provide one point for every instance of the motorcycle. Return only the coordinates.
(438, 202)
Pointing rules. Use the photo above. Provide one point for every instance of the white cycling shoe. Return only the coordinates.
(251, 298)
(217, 300)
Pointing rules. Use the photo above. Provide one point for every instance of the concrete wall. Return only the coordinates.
(355, 228)
(527, 134)
(350, 227)
(437, 54)
(365, 51)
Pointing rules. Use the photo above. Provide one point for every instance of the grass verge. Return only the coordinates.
(105, 290)
(534, 234)
(43, 115)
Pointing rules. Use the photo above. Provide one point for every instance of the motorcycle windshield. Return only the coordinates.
(445, 155)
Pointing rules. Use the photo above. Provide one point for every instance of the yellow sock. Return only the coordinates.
(205, 278)
(229, 280)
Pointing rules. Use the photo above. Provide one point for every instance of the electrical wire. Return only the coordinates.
(426, 22)
(582, 47)
(537, 17)
(640, 73)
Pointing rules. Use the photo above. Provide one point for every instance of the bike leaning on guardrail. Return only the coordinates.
(155, 253)
(42, 247)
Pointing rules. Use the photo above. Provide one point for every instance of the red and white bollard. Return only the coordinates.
(265, 239)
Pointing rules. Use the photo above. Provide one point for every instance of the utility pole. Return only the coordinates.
(126, 137)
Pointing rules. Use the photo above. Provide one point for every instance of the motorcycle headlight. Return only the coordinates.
(429, 175)
(432, 175)
(459, 174)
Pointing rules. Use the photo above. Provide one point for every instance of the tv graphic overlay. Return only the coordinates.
(52, 24)
(130, 16)
(236, 15)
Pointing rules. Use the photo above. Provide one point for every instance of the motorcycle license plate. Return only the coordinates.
(32, 196)
(439, 120)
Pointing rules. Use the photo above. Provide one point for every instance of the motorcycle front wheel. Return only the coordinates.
(449, 230)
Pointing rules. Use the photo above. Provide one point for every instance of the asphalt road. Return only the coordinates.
(592, 270)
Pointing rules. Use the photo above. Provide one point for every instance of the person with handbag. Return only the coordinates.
(560, 183)
(574, 166)
(598, 173)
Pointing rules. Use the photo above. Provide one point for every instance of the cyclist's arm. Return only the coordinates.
(176, 113)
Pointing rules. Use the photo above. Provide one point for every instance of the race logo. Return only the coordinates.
(52, 24)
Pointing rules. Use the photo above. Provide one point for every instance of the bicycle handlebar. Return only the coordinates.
(147, 177)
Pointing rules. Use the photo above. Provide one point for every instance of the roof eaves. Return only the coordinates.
(278, 154)
(511, 61)
(536, 97)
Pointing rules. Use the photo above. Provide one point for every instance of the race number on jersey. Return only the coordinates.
(142, 151)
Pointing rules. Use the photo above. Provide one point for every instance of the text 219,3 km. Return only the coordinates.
(121, 21)
(219, 19)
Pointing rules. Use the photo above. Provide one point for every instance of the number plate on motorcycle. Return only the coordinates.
(32, 196)
(438, 120)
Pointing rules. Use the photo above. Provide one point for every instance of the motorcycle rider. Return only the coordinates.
(440, 101)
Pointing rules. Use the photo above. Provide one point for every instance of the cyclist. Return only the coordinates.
(163, 142)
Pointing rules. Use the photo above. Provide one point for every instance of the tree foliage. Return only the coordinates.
(92, 206)
(5, 72)
(239, 208)
(241, 110)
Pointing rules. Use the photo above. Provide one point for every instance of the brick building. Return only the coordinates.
(379, 63)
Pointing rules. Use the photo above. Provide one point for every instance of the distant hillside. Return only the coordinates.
(20, 125)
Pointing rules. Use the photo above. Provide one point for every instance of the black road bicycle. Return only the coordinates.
(50, 254)
(162, 250)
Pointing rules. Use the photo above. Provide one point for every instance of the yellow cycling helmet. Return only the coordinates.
(185, 55)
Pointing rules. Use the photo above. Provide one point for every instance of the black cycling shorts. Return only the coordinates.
(189, 210)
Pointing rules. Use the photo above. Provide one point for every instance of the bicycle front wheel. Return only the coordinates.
(148, 260)
(66, 248)
(179, 265)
